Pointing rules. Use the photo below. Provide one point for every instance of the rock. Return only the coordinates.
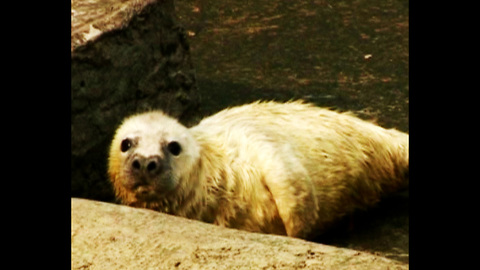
(127, 56)
(110, 236)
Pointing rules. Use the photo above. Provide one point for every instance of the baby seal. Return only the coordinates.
(283, 168)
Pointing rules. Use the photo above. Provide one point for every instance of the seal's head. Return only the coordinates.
(150, 155)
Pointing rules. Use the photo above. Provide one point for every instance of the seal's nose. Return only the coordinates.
(148, 166)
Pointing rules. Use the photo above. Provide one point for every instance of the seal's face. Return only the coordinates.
(150, 156)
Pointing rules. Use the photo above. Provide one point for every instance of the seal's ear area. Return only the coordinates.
(114, 174)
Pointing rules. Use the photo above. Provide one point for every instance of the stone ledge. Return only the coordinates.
(109, 236)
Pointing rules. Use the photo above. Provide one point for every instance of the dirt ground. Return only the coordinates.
(348, 55)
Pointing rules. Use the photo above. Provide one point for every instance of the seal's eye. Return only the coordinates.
(174, 148)
(126, 144)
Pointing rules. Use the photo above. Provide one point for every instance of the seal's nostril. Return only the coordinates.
(151, 166)
(136, 164)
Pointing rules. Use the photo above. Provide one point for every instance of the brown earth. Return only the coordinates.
(350, 55)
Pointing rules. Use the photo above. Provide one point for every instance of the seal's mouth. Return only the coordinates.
(145, 193)
(149, 193)
(142, 189)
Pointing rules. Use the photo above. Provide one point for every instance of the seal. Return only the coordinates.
(282, 168)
